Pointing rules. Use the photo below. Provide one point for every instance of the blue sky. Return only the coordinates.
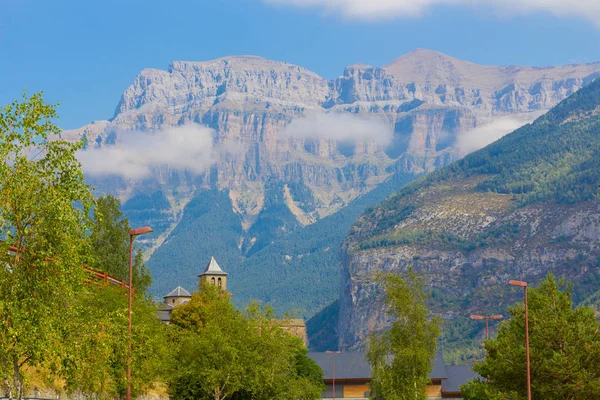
(85, 53)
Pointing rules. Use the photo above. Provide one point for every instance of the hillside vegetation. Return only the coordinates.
(521, 206)
(290, 266)
(555, 159)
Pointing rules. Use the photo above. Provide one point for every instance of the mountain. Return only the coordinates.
(516, 209)
(289, 151)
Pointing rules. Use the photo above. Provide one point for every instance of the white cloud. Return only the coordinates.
(340, 127)
(188, 147)
(386, 9)
(487, 133)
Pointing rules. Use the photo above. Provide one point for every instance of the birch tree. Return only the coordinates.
(401, 357)
(44, 220)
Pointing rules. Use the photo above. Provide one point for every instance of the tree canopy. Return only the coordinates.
(110, 244)
(51, 323)
(401, 357)
(564, 350)
(44, 213)
(224, 353)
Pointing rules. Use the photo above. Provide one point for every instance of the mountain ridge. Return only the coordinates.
(289, 147)
(520, 207)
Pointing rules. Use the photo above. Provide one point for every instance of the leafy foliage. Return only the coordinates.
(401, 357)
(223, 353)
(44, 209)
(565, 350)
(95, 345)
(110, 245)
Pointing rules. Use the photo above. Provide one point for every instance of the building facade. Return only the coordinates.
(351, 374)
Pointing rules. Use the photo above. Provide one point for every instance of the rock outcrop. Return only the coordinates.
(516, 209)
(425, 99)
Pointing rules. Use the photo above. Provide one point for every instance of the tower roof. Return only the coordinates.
(178, 292)
(213, 268)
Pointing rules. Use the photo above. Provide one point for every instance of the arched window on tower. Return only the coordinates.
(220, 283)
(212, 280)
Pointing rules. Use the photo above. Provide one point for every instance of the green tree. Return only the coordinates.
(96, 345)
(401, 357)
(564, 347)
(44, 209)
(110, 244)
(223, 353)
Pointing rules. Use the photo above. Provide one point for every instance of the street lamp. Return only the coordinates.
(132, 234)
(487, 318)
(524, 286)
(333, 353)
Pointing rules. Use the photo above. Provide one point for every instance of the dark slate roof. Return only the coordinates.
(439, 367)
(178, 292)
(457, 376)
(354, 365)
(164, 312)
(347, 365)
(213, 268)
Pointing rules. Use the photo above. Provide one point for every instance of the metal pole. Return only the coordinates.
(128, 396)
(527, 346)
(486, 328)
(333, 373)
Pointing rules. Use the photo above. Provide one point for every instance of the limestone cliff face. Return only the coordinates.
(516, 209)
(558, 238)
(249, 101)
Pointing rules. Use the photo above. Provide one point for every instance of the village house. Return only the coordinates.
(353, 374)
(352, 370)
(213, 274)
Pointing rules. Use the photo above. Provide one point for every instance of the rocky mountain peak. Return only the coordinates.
(423, 66)
(246, 79)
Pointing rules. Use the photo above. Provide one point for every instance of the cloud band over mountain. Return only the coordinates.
(188, 147)
(340, 127)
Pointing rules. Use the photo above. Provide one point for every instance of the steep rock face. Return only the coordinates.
(427, 98)
(562, 239)
(249, 101)
(523, 206)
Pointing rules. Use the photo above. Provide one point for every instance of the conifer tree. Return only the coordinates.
(564, 350)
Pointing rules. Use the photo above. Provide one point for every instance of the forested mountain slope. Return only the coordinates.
(238, 157)
(519, 207)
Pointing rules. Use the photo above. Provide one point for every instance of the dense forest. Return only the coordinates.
(291, 267)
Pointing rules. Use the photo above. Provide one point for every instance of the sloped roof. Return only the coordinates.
(439, 367)
(354, 365)
(213, 268)
(164, 315)
(178, 292)
(457, 375)
(350, 365)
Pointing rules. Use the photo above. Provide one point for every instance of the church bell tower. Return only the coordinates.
(214, 275)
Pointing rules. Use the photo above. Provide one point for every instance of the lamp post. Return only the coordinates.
(487, 318)
(333, 353)
(132, 234)
(524, 286)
